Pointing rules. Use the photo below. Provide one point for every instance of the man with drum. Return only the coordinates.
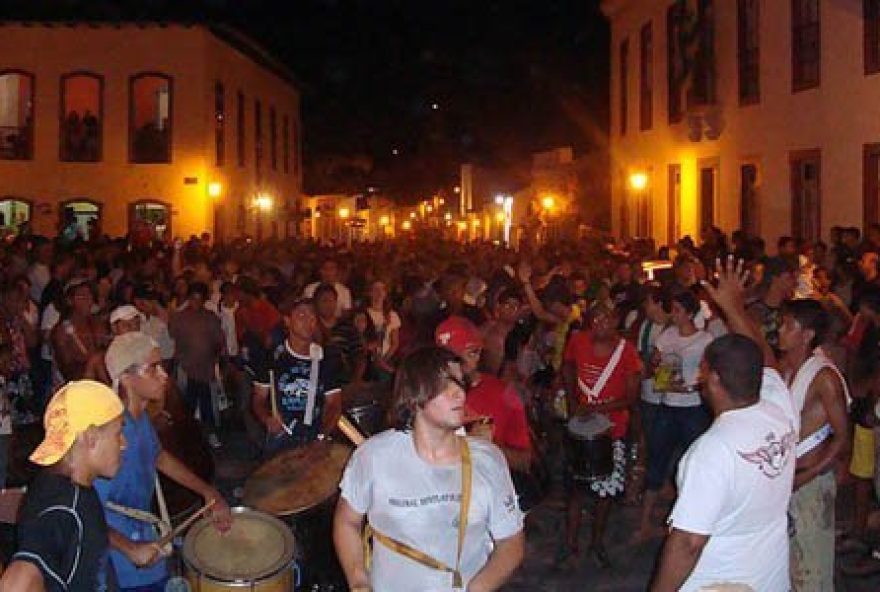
(135, 367)
(297, 390)
(441, 507)
(602, 374)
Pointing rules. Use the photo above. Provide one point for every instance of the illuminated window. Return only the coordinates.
(806, 47)
(16, 115)
(150, 118)
(219, 124)
(150, 218)
(15, 214)
(82, 120)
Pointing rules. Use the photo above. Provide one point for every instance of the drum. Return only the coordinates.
(588, 447)
(257, 553)
(365, 406)
(300, 486)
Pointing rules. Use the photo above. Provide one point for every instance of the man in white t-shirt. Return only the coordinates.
(729, 524)
(329, 273)
(408, 483)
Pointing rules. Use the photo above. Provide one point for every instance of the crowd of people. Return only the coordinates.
(739, 382)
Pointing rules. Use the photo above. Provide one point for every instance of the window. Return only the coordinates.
(285, 139)
(258, 136)
(748, 52)
(150, 218)
(624, 58)
(708, 192)
(646, 77)
(871, 185)
(239, 129)
(748, 199)
(806, 48)
(82, 122)
(150, 117)
(872, 36)
(673, 196)
(15, 213)
(675, 67)
(80, 218)
(273, 138)
(806, 198)
(703, 83)
(219, 124)
(16, 115)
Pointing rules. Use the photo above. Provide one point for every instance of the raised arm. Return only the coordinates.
(728, 295)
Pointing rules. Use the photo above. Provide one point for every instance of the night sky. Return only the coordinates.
(440, 82)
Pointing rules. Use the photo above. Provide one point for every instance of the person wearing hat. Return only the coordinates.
(62, 534)
(487, 395)
(135, 367)
(125, 319)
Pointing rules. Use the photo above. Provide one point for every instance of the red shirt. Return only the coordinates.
(495, 398)
(261, 317)
(579, 350)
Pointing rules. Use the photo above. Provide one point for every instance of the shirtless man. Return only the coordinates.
(819, 404)
(819, 393)
(495, 331)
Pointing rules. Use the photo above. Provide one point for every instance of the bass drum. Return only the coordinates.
(257, 553)
(181, 435)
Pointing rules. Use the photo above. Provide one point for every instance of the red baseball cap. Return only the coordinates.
(457, 334)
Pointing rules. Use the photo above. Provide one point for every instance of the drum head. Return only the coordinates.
(257, 546)
(588, 427)
(297, 480)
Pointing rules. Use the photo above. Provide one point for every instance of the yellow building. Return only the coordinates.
(348, 218)
(174, 129)
(754, 114)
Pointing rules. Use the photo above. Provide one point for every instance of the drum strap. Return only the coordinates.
(592, 394)
(316, 354)
(415, 554)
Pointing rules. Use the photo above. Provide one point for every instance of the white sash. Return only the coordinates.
(316, 354)
(804, 378)
(592, 394)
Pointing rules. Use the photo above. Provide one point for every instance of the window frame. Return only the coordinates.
(31, 155)
(273, 137)
(871, 34)
(62, 116)
(131, 82)
(748, 54)
(798, 26)
(646, 76)
(258, 137)
(285, 146)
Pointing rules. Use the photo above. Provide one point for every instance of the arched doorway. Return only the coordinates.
(14, 213)
(149, 220)
(79, 217)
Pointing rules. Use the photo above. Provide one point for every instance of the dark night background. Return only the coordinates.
(509, 77)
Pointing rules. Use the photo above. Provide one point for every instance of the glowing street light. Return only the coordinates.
(407, 225)
(412, 215)
(344, 213)
(638, 180)
(384, 221)
(263, 202)
(215, 189)
(548, 202)
(500, 217)
(447, 216)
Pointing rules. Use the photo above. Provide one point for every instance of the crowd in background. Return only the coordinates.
(214, 309)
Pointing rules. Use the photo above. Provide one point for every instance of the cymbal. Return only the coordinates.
(297, 480)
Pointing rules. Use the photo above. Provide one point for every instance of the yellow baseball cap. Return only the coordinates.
(73, 408)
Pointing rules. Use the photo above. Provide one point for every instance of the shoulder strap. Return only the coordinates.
(415, 554)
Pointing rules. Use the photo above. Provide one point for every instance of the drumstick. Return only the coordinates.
(351, 432)
(185, 524)
(272, 400)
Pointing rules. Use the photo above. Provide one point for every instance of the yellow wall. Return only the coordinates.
(195, 58)
(838, 118)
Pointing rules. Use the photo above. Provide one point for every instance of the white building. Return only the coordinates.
(755, 114)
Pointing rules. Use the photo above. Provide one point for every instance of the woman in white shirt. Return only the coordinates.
(681, 417)
(387, 324)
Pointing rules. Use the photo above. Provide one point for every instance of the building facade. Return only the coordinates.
(174, 129)
(753, 114)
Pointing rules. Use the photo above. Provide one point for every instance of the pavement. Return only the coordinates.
(631, 565)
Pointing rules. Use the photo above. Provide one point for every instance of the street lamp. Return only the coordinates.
(215, 189)
(407, 225)
(344, 213)
(548, 202)
(638, 180)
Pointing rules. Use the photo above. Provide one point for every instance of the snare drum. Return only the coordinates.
(590, 453)
(257, 553)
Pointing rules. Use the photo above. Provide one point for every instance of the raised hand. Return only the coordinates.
(732, 277)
